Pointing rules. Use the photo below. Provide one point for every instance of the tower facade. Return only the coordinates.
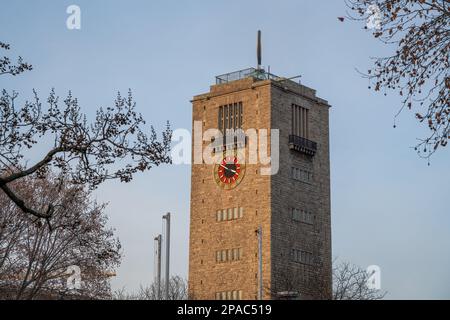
(235, 196)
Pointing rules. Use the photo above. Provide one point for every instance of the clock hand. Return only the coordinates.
(226, 168)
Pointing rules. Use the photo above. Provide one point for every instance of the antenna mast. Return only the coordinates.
(258, 50)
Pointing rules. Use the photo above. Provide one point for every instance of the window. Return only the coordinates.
(229, 255)
(302, 215)
(229, 214)
(302, 256)
(235, 213)
(230, 117)
(229, 295)
(236, 254)
(229, 123)
(301, 174)
(224, 256)
(300, 121)
(218, 256)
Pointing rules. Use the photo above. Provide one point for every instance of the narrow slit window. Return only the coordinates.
(300, 121)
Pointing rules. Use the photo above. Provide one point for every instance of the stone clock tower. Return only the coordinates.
(238, 212)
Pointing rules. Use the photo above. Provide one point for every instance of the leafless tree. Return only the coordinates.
(350, 282)
(419, 68)
(113, 146)
(177, 291)
(34, 259)
(301, 282)
(12, 227)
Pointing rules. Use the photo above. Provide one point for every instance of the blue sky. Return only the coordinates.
(388, 207)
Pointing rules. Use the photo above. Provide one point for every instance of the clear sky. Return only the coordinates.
(388, 207)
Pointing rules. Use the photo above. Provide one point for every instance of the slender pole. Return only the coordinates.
(258, 49)
(167, 217)
(260, 271)
(158, 265)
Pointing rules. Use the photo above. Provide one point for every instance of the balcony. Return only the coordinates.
(302, 145)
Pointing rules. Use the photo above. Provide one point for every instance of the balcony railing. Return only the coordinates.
(302, 145)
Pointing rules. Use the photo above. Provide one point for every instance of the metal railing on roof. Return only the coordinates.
(258, 74)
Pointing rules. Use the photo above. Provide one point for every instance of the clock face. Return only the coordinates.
(229, 172)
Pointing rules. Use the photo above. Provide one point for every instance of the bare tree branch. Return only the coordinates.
(113, 146)
(350, 282)
(419, 68)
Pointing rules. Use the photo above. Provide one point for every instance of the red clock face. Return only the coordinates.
(229, 172)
